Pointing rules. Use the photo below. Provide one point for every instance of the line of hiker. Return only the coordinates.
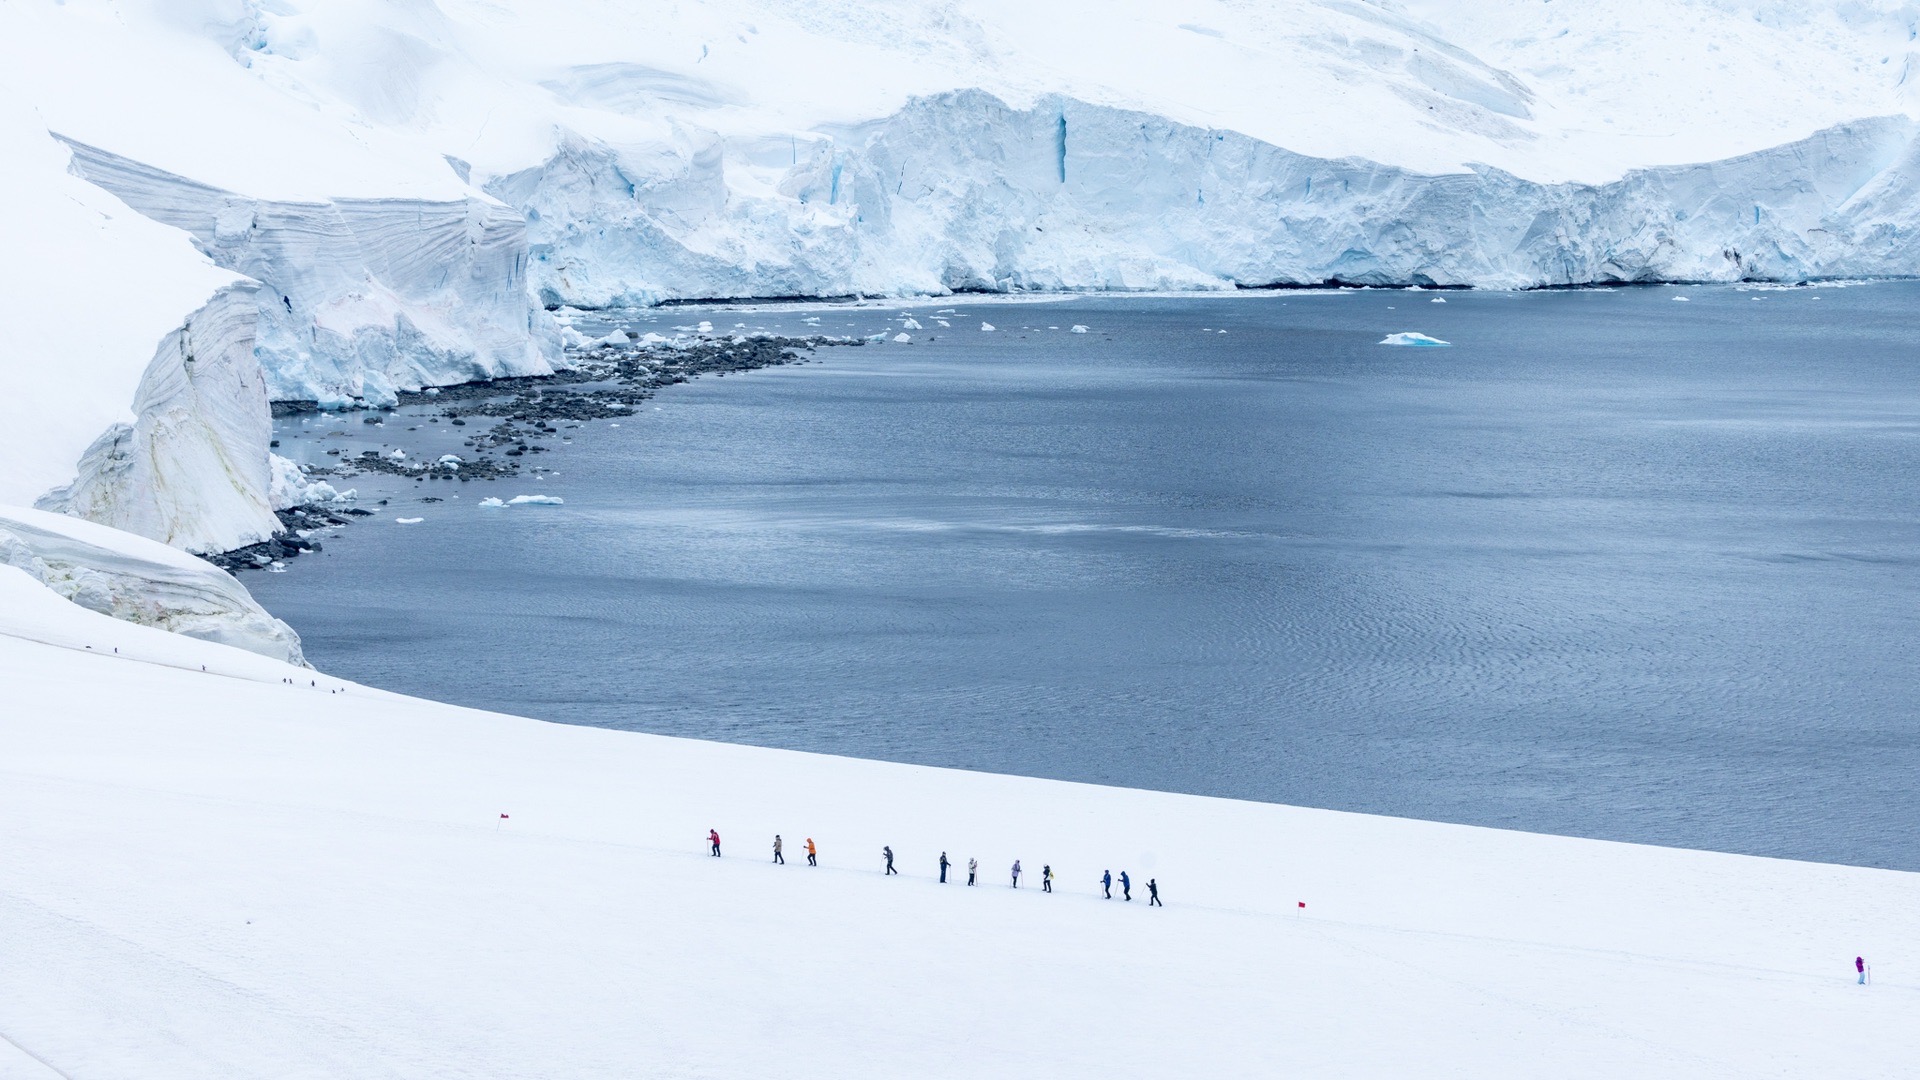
(973, 869)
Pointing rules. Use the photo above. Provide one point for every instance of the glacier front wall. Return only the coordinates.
(362, 297)
(962, 191)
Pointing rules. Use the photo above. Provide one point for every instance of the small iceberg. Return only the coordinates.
(903, 338)
(1438, 300)
(1421, 341)
(408, 521)
(451, 461)
(986, 328)
(1076, 328)
(911, 323)
(705, 327)
(1683, 299)
(536, 500)
(491, 503)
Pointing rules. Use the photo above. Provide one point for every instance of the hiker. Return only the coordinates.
(1106, 884)
(1860, 965)
(1046, 878)
(973, 865)
(812, 854)
(1153, 894)
(713, 841)
(1016, 873)
(1126, 886)
(943, 868)
(887, 850)
(777, 857)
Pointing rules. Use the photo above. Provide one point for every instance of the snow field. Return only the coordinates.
(325, 888)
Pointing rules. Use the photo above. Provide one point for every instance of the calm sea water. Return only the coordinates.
(1613, 565)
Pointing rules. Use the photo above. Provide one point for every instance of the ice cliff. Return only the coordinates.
(141, 581)
(963, 191)
(361, 297)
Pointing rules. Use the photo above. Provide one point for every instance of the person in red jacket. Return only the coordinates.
(713, 842)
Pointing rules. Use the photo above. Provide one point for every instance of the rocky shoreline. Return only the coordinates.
(606, 380)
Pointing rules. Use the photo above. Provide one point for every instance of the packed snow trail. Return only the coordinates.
(327, 887)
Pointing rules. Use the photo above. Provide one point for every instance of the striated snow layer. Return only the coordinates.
(130, 578)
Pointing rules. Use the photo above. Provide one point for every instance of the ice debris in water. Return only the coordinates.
(408, 521)
(1683, 299)
(903, 338)
(451, 460)
(911, 323)
(490, 502)
(1438, 300)
(1076, 328)
(398, 454)
(705, 327)
(876, 339)
(1417, 340)
(536, 500)
(986, 327)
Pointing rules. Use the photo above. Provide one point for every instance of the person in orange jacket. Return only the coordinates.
(812, 853)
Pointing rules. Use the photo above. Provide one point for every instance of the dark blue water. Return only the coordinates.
(1613, 565)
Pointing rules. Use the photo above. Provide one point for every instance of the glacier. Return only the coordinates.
(962, 191)
(361, 297)
(335, 203)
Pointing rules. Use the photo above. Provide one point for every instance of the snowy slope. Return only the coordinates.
(215, 874)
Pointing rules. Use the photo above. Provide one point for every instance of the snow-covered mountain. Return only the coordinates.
(211, 203)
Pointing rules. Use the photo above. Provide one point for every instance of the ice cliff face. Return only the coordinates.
(191, 469)
(140, 581)
(361, 297)
(962, 191)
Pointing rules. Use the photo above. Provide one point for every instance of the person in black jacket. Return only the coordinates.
(887, 850)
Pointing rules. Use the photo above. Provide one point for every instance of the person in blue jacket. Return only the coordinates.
(1106, 883)
(1126, 886)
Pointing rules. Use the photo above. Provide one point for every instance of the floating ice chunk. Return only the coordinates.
(617, 339)
(398, 454)
(490, 502)
(408, 521)
(705, 327)
(910, 323)
(1416, 340)
(571, 338)
(536, 500)
(431, 391)
(1219, 331)
(1683, 299)
(451, 459)
(986, 327)
(1076, 328)
(903, 338)
(651, 338)
(1438, 300)
(876, 339)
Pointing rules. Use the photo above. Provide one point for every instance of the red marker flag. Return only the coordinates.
(503, 817)
(1303, 903)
